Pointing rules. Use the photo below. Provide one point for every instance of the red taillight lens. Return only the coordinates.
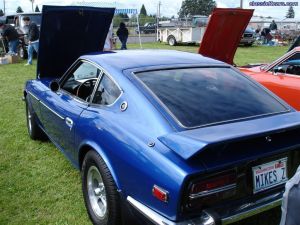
(213, 183)
(211, 190)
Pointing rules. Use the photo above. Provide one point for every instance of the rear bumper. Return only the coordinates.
(247, 40)
(206, 218)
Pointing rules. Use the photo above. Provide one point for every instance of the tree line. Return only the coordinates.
(188, 8)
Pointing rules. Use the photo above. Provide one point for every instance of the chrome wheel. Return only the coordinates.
(29, 119)
(96, 192)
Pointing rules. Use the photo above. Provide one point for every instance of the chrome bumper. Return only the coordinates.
(205, 218)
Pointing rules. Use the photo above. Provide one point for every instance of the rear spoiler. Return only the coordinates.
(191, 142)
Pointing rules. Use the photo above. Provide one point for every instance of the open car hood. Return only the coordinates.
(68, 32)
(224, 32)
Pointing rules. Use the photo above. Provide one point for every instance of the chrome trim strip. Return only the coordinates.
(36, 98)
(251, 212)
(213, 191)
(61, 117)
(154, 217)
(278, 61)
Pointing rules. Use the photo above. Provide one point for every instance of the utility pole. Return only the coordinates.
(4, 7)
(157, 19)
(241, 4)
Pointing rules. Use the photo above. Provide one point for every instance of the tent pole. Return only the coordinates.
(138, 23)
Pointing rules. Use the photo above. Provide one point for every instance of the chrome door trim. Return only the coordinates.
(51, 110)
(36, 98)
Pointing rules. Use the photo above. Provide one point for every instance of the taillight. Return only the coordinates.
(213, 185)
(210, 190)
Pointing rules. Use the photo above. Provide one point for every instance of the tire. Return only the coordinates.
(172, 40)
(248, 44)
(23, 53)
(100, 194)
(34, 131)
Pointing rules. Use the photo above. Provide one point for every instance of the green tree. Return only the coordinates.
(290, 13)
(19, 9)
(117, 20)
(1, 12)
(37, 9)
(143, 10)
(196, 7)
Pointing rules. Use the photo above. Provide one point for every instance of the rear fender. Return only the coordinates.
(94, 146)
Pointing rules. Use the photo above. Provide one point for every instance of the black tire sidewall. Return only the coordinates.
(112, 216)
(23, 53)
(170, 38)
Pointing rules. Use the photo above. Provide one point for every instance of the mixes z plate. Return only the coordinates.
(269, 175)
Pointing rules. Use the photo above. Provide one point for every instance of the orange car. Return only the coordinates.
(281, 77)
(221, 40)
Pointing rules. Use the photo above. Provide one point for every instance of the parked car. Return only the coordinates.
(281, 76)
(16, 20)
(248, 37)
(148, 28)
(160, 137)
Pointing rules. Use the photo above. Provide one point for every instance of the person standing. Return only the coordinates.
(12, 37)
(122, 33)
(273, 25)
(33, 38)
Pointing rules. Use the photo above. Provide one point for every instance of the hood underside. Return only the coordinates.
(68, 32)
(224, 32)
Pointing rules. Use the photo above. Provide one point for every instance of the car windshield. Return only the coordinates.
(202, 96)
(33, 18)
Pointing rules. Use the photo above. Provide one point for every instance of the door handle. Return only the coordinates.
(69, 122)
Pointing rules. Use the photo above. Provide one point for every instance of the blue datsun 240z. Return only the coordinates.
(167, 136)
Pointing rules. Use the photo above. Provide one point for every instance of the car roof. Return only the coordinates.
(129, 59)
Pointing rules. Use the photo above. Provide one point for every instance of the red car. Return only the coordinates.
(281, 76)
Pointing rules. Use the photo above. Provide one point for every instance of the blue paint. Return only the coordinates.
(122, 137)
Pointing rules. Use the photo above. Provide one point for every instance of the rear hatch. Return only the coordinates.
(246, 138)
(246, 162)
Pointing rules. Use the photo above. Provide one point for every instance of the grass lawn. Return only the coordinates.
(37, 184)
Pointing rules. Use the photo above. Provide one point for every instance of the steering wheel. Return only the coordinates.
(86, 88)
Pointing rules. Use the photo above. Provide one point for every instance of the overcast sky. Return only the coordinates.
(168, 7)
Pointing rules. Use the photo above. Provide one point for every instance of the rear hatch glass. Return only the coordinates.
(202, 96)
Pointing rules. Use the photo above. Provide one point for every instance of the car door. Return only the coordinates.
(283, 82)
(61, 110)
(99, 118)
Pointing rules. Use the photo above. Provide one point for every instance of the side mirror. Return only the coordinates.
(54, 86)
(277, 69)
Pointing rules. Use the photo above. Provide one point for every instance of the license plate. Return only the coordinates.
(269, 175)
